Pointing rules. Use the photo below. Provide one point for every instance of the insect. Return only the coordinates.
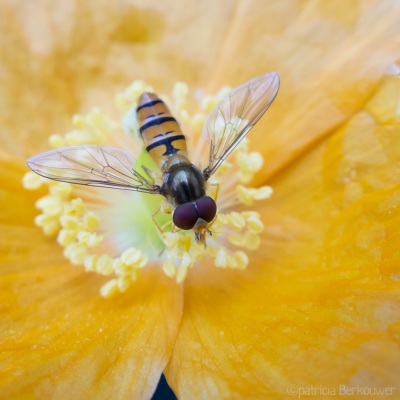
(184, 184)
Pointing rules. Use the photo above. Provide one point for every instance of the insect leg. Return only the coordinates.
(153, 216)
(161, 228)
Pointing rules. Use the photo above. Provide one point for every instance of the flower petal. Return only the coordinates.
(58, 335)
(330, 58)
(319, 305)
(54, 65)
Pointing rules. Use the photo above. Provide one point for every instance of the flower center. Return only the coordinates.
(117, 233)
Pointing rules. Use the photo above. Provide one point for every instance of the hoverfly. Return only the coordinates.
(184, 185)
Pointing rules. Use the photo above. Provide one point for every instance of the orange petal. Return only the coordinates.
(58, 335)
(319, 305)
(330, 58)
(54, 65)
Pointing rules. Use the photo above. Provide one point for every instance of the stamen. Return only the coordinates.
(247, 196)
(89, 239)
(56, 141)
(32, 181)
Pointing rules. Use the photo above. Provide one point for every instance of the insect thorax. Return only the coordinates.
(183, 183)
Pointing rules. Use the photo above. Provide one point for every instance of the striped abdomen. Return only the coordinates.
(159, 130)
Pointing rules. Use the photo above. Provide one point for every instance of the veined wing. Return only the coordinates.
(92, 166)
(233, 117)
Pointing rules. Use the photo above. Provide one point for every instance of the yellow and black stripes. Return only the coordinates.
(159, 130)
(155, 121)
(166, 141)
(148, 104)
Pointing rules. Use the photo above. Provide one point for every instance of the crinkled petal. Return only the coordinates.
(58, 336)
(330, 57)
(53, 65)
(319, 304)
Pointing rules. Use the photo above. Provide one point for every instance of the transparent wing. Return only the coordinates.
(92, 166)
(233, 117)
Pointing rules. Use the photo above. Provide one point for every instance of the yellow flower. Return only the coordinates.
(317, 306)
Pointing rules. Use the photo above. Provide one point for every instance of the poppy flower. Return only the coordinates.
(315, 311)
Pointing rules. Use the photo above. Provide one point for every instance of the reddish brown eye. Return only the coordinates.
(185, 216)
(206, 208)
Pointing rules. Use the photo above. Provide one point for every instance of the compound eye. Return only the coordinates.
(206, 208)
(185, 216)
